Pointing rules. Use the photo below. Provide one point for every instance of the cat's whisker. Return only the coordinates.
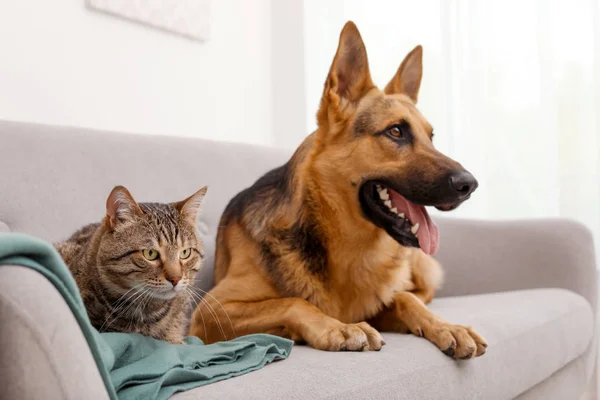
(198, 300)
(142, 304)
(193, 300)
(131, 302)
(211, 310)
(122, 298)
(139, 300)
(149, 299)
(221, 305)
(216, 313)
(199, 310)
(120, 303)
(141, 290)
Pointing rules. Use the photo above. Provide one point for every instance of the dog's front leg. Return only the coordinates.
(409, 314)
(291, 317)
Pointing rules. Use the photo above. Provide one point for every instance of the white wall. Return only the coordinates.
(63, 64)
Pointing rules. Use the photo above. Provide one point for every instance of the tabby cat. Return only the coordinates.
(135, 268)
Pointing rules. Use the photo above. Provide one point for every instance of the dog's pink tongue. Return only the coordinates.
(428, 234)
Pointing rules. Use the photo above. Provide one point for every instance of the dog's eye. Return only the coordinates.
(395, 131)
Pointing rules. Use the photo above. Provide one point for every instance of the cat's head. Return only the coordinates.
(151, 247)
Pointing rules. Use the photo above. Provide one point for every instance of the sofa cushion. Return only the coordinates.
(531, 335)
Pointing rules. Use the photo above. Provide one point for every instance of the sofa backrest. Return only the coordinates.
(53, 180)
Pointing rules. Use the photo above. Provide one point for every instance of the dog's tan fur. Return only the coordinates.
(295, 255)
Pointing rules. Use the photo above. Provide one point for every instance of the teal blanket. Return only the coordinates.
(139, 367)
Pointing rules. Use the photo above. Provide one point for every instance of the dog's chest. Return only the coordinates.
(372, 281)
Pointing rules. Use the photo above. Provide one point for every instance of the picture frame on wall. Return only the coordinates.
(187, 18)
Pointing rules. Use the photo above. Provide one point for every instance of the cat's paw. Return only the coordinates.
(174, 339)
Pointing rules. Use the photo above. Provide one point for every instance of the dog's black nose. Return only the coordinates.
(463, 182)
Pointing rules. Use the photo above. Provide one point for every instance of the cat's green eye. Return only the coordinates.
(185, 253)
(150, 254)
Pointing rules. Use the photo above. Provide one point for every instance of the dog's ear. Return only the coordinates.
(349, 78)
(408, 77)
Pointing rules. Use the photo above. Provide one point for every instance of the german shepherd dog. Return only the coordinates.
(336, 245)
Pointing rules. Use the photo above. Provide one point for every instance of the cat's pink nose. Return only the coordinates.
(174, 280)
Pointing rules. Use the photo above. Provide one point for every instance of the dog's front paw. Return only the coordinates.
(461, 342)
(350, 337)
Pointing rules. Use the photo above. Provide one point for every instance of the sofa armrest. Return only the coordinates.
(494, 256)
(44, 354)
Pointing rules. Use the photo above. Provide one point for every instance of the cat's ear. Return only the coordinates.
(121, 207)
(190, 206)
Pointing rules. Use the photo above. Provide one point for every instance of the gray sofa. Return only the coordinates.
(529, 287)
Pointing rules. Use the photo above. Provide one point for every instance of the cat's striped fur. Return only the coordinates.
(125, 291)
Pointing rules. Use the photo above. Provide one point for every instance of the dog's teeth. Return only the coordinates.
(394, 210)
(388, 203)
(415, 228)
(401, 215)
(383, 195)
